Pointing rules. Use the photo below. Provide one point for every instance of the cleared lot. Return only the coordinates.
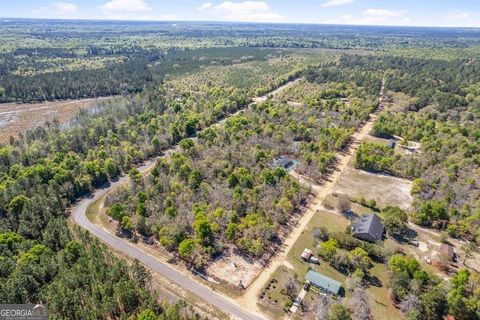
(17, 118)
(385, 190)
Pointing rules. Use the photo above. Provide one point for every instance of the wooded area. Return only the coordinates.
(222, 191)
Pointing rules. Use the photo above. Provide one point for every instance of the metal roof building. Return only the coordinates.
(369, 228)
(284, 162)
(322, 282)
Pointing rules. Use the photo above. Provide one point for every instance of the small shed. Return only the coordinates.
(369, 228)
(306, 254)
(447, 251)
(322, 282)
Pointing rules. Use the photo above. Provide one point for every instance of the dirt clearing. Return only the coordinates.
(234, 269)
(17, 118)
(385, 190)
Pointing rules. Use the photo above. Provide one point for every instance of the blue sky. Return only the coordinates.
(462, 13)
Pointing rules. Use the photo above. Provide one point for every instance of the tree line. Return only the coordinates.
(45, 170)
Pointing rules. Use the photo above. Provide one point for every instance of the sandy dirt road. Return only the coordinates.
(182, 279)
(246, 306)
(249, 299)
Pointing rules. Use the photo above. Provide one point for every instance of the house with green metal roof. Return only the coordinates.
(323, 283)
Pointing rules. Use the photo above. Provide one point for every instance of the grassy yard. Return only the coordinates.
(331, 221)
(382, 307)
(273, 300)
(360, 210)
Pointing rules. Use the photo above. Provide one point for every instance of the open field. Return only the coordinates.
(17, 118)
(385, 190)
(398, 101)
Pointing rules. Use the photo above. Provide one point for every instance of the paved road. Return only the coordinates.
(165, 270)
(78, 214)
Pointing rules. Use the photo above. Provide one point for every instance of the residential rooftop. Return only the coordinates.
(323, 282)
(369, 228)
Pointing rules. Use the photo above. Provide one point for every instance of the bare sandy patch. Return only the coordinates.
(234, 269)
(17, 118)
(385, 190)
(422, 246)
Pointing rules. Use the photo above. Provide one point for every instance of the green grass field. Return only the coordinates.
(381, 306)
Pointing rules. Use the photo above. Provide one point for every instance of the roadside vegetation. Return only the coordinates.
(224, 190)
(220, 190)
(46, 169)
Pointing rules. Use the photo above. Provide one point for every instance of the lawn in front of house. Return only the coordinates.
(272, 299)
(381, 306)
(333, 223)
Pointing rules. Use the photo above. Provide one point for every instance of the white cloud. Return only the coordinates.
(457, 14)
(205, 6)
(60, 10)
(127, 9)
(126, 6)
(376, 17)
(383, 13)
(247, 11)
(335, 3)
(64, 7)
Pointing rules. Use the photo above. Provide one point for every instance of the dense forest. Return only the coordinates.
(42, 60)
(45, 170)
(41, 259)
(221, 189)
(96, 72)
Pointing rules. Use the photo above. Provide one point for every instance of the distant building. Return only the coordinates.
(391, 143)
(369, 228)
(344, 99)
(324, 283)
(447, 250)
(284, 162)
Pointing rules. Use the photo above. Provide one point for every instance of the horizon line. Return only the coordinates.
(241, 22)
